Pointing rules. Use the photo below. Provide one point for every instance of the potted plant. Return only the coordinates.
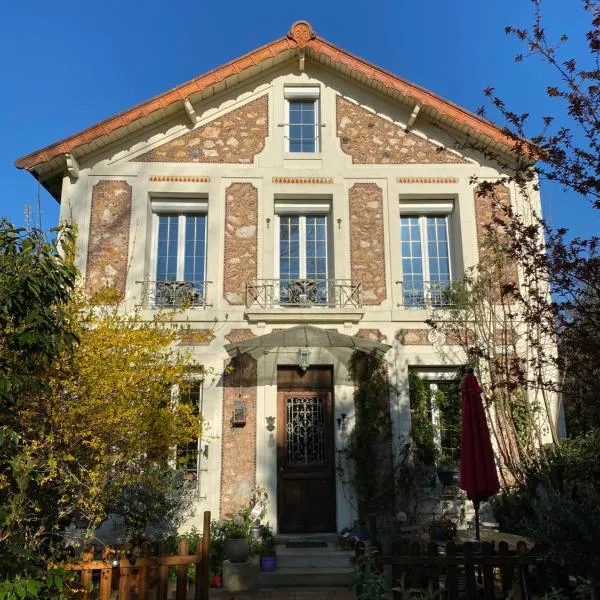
(442, 528)
(217, 552)
(448, 471)
(267, 552)
(258, 509)
(237, 547)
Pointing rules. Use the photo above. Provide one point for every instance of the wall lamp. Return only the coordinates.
(341, 423)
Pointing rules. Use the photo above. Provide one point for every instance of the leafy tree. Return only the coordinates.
(37, 278)
(87, 403)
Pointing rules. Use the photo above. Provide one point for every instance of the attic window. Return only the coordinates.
(302, 127)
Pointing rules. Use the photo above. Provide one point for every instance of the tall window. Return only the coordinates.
(303, 258)
(180, 256)
(303, 127)
(189, 455)
(425, 260)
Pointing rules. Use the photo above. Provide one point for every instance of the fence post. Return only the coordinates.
(143, 574)
(106, 573)
(451, 572)
(434, 569)
(181, 591)
(123, 576)
(163, 575)
(470, 585)
(488, 572)
(203, 566)
(86, 574)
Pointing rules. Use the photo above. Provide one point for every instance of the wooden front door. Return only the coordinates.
(305, 457)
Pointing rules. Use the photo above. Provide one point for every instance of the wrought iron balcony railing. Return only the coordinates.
(302, 293)
(427, 294)
(174, 294)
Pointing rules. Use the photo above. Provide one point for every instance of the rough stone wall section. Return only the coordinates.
(108, 240)
(236, 137)
(373, 335)
(367, 243)
(370, 139)
(491, 202)
(239, 335)
(196, 337)
(238, 444)
(413, 337)
(241, 242)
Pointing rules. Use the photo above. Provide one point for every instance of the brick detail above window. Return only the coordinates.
(236, 137)
(239, 335)
(181, 178)
(370, 139)
(367, 242)
(413, 337)
(426, 179)
(241, 241)
(108, 240)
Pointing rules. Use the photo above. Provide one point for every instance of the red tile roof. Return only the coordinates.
(300, 35)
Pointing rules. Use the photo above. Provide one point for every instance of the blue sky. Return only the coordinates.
(66, 65)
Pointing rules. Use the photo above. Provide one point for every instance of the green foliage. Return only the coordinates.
(422, 431)
(367, 577)
(367, 443)
(267, 545)
(558, 503)
(55, 584)
(155, 506)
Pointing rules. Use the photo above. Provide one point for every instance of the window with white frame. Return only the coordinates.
(302, 129)
(189, 456)
(180, 252)
(425, 251)
(302, 265)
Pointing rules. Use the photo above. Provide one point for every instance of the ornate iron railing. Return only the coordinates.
(174, 294)
(303, 293)
(427, 294)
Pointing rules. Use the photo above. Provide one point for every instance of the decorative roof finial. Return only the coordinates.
(301, 32)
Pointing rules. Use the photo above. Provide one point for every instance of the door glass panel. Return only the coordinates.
(305, 430)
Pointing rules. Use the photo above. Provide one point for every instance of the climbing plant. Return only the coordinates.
(369, 449)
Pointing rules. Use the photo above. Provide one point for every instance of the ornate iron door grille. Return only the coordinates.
(305, 432)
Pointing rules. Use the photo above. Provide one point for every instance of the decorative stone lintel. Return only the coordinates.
(426, 179)
(302, 180)
(180, 178)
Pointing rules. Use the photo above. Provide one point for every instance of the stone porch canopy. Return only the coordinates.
(303, 336)
(301, 44)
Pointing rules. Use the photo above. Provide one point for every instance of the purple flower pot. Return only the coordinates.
(268, 563)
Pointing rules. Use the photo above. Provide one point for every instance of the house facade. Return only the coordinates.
(295, 204)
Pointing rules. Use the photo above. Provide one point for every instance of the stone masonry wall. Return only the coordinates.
(236, 137)
(490, 203)
(241, 220)
(238, 444)
(367, 243)
(108, 240)
(370, 139)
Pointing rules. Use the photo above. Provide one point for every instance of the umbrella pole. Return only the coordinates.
(476, 506)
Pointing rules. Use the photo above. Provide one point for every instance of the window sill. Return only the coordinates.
(313, 314)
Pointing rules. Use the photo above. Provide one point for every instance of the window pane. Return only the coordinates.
(302, 119)
(167, 243)
(195, 249)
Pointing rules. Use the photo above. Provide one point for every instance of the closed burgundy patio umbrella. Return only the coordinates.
(478, 475)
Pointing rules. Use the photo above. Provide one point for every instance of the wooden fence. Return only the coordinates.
(138, 576)
(469, 570)
(475, 570)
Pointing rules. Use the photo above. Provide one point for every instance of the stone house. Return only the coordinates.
(297, 203)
